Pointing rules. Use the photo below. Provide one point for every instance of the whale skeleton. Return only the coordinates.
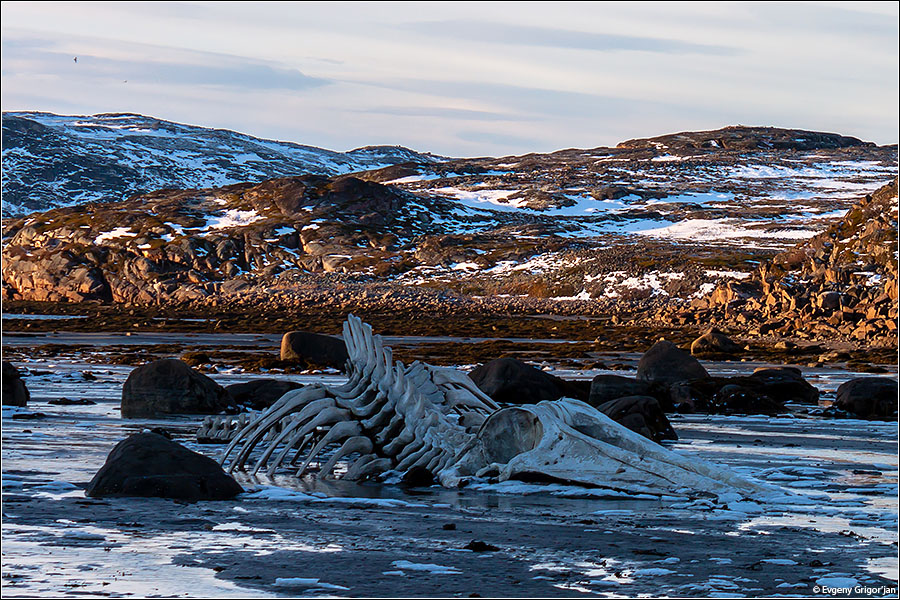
(389, 417)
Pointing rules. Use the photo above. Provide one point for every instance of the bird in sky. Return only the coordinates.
(75, 59)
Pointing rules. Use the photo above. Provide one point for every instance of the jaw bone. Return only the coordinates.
(392, 417)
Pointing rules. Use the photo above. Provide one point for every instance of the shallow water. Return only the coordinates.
(553, 539)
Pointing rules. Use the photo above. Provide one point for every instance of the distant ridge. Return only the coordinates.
(53, 160)
(743, 138)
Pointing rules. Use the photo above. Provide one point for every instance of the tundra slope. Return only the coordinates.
(652, 224)
(53, 160)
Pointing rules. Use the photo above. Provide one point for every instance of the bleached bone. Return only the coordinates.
(393, 417)
(571, 441)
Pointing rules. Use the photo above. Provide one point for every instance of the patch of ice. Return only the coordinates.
(729, 274)
(240, 528)
(465, 266)
(406, 565)
(670, 158)
(651, 572)
(111, 235)
(582, 295)
(837, 581)
(481, 199)
(707, 230)
(177, 231)
(418, 178)
(233, 218)
(694, 198)
(306, 582)
(283, 494)
(555, 489)
(779, 561)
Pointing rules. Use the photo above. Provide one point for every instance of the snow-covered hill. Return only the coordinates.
(51, 160)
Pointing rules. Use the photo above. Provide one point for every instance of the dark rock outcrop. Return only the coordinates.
(314, 349)
(169, 386)
(149, 465)
(665, 362)
(15, 393)
(511, 381)
(714, 343)
(868, 397)
(641, 414)
(260, 394)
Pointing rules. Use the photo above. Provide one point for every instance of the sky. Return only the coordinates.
(461, 79)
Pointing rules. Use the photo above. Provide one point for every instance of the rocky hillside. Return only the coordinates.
(51, 160)
(628, 231)
(840, 283)
(746, 139)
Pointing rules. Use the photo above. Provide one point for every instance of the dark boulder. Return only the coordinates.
(641, 414)
(605, 388)
(15, 393)
(714, 343)
(784, 384)
(169, 386)
(150, 465)
(314, 349)
(694, 395)
(725, 395)
(734, 398)
(511, 381)
(868, 397)
(665, 362)
(766, 391)
(260, 394)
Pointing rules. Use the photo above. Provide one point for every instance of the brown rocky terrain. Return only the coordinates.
(841, 283)
(750, 233)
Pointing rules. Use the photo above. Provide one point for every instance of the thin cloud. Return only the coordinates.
(143, 64)
(822, 19)
(462, 114)
(530, 101)
(523, 35)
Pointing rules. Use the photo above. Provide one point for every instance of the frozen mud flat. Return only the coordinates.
(308, 538)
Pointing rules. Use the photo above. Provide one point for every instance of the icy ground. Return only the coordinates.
(290, 538)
